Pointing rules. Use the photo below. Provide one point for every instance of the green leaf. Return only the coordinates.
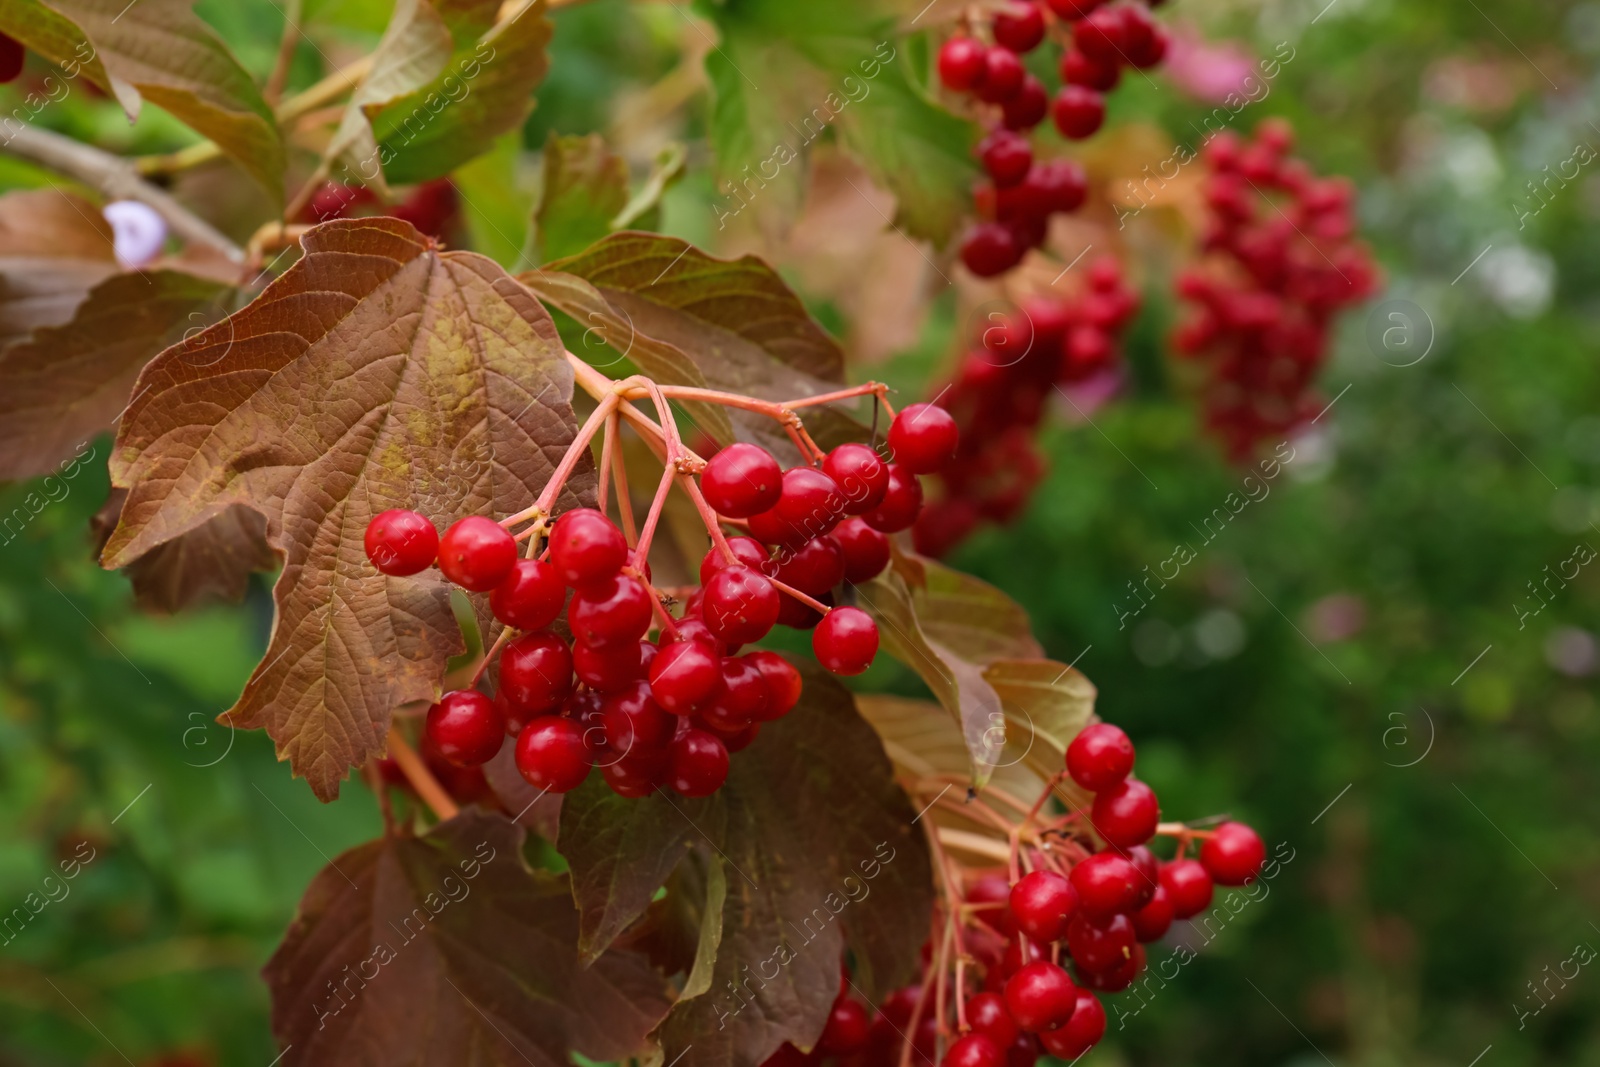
(494, 205)
(819, 851)
(160, 51)
(585, 187)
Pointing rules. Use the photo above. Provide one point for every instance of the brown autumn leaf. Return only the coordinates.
(54, 247)
(419, 951)
(214, 561)
(377, 372)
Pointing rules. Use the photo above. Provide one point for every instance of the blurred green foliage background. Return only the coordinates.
(1344, 666)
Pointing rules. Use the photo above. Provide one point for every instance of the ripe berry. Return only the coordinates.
(1080, 1033)
(1040, 996)
(989, 249)
(699, 763)
(1079, 69)
(401, 542)
(551, 755)
(741, 480)
(783, 684)
(614, 610)
(1147, 867)
(477, 553)
(740, 605)
(1144, 42)
(633, 721)
(1187, 886)
(1006, 156)
(847, 1030)
(1073, 9)
(1233, 854)
(1102, 36)
(923, 438)
(1028, 107)
(1100, 946)
(747, 550)
(815, 567)
(1002, 76)
(961, 64)
(585, 546)
(1126, 814)
(743, 696)
(1106, 883)
(1042, 902)
(1151, 922)
(845, 641)
(771, 528)
(988, 1015)
(466, 728)
(974, 1050)
(531, 596)
(12, 55)
(1078, 112)
(610, 668)
(861, 476)
(1019, 26)
(685, 675)
(637, 773)
(536, 673)
(866, 551)
(900, 504)
(811, 501)
(1058, 185)
(1099, 757)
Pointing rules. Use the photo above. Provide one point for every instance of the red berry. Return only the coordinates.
(866, 551)
(993, 889)
(1144, 42)
(1100, 946)
(1019, 26)
(1188, 887)
(1147, 867)
(1078, 112)
(961, 64)
(783, 684)
(811, 501)
(334, 201)
(988, 1015)
(585, 546)
(1102, 36)
(1040, 996)
(1028, 107)
(740, 605)
(536, 673)
(815, 567)
(1002, 76)
(990, 248)
(845, 641)
(1079, 69)
(1006, 156)
(1042, 902)
(610, 668)
(743, 697)
(747, 550)
(1107, 885)
(847, 1029)
(551, 755)
(974, 1050)
(637, 773)
(477, 553)
(699, 763)
(531, 596)
(1151, 922)
(633, 721)
(861, 476)
(1233, 854)
(741, 480)
(924, 438)
(1099, 757)
(800, 616)
(466, 728)
(900, 504)
(401, 542)
(12, 55)
(611, 611)
(1126, 814)
(1073, 9)
(685, 675)
(1080, 1033)
(771, 528)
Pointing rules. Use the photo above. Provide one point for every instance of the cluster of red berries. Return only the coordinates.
(999, 396)
(1022, 193)
(12, 57)
(1281, 262)
(433, 207)
(669, 711)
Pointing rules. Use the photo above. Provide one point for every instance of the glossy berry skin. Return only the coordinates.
(1151, 922)
(1073, 9)
(551, 755)
(741, 480)
(699, 763)
(684, 676)
(466, 728)
(771, 528)
(610, 668)
(1040, 996)
(866, 551)
(845, 641)
(1126, 814)
(1042, 902)
(901, 504)
(1006, 157)
(924, 438)
(536, 673)
(1148, 869)
(1002, 76)
(990, 248)
(1080, 1033)
(401, 542)
(811, 500)
(1188, 887)
(1078, 112)
(1100, 946)
(1102, 36)
(1079, 69)
(783, 684)
(633, 721)
(848, 1027)
(748, 550)
(961, 64)
(861, 476)
(1107, 885)
(1100, 757)
(585, 546)
(815, 567)
(974, 1050)
(12, 55)
(1233, 854)
(740, 605)
(1019, 26)
(477, 553)
(1028, 107)
(742, 697)
(611, 611)
(530, 597)
(988, 1015)
(636, 774)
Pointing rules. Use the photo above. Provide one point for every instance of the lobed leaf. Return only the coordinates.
(212, 561)
(54, 247)
(377, 372)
